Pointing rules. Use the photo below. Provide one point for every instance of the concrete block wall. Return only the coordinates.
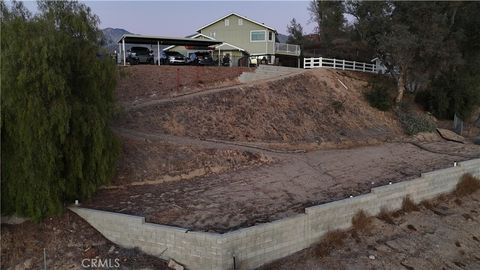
(257, 245)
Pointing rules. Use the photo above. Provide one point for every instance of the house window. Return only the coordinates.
(227, 22)
(257, 35)
(212, 34)
(240, 21)
(270, 36)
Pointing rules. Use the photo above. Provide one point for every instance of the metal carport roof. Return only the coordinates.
(160, 40)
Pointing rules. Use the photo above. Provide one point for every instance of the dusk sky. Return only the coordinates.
(181, 18)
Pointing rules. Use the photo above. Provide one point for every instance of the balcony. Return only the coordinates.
(287, 49)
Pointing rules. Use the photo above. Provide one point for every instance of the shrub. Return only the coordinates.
(330, 241)
(57, 101)
(414, 123)
(408, 205)
(386, 216)
(468, 184)
(379, 95)
(338, 106)
(361, 222)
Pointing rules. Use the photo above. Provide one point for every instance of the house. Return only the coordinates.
(242, 36)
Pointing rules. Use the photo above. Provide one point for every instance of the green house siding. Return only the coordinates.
(239, 35)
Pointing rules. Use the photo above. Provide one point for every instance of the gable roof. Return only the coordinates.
(245, 18)
(190, 36)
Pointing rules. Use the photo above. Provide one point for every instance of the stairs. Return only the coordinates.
(264, 72)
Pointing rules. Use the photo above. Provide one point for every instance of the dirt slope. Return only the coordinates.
(137, 83)
(310, 107)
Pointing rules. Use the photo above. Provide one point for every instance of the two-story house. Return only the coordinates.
(243, 36)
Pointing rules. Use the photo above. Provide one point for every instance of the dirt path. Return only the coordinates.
(135, 106)
(261, 194)
(206, 143)
(446, 236)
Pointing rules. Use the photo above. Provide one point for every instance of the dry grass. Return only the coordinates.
(408, 205)
(362, 222)
(386, 216)
(467, 185)
(330, 241)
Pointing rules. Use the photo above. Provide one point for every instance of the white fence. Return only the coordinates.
(322, 62)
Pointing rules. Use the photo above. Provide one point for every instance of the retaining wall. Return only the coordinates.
(257, 245)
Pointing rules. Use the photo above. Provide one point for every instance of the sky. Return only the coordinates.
(182, 18)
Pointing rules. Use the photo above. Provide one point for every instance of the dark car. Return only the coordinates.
(174, 57)
(201, 59)
(137, 55)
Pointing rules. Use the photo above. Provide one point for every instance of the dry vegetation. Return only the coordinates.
(293, 110)
(468, 184)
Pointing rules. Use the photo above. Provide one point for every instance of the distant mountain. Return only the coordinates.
(282, 38)
(112, 35)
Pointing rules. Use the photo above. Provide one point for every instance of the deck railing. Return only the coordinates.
(285, 48)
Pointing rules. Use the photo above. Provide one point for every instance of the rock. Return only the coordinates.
(450, 135)
(174, 265)
(371, 257)
(112, 248)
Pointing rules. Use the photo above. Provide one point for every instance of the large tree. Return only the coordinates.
(295, 32)
(57, 100)
(329, 18)
(412, 37)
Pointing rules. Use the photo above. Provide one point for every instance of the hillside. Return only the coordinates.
(112, 35)
(310, 107)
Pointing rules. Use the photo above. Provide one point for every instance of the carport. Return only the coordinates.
(159, 40)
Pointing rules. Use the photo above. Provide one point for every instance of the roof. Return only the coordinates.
(142, 39)
(191, 36)
(240, 16)
(228, 46)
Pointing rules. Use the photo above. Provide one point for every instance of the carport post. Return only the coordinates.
(123, 46)
(158, 52)
(219, 56)
(119, 53)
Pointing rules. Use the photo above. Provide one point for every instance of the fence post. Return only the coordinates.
(343, 65)
(321, 61)
(334, 63)
(363, 67)
(354, 63)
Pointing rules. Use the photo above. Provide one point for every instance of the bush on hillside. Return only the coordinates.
(413, 122)
(57, 101)
(379, 96)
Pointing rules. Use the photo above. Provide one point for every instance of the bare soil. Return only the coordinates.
(67, 240)
(143, 82)
(261, 194)
(310, 107)
(156, 161)
(445, 235)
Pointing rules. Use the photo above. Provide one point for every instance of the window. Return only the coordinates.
(227, 22)
(240, 21)
(257, 35)
(270, 35)
(212, 34)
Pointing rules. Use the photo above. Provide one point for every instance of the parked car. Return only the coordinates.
(137, 55)
(174, 57)
(201, 59)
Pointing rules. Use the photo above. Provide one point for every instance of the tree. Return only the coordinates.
(57, 101)
(412, 37)
(328, 15)
(295, 32)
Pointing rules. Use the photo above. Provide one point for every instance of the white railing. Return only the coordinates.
(322, 62)
(284, 48)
